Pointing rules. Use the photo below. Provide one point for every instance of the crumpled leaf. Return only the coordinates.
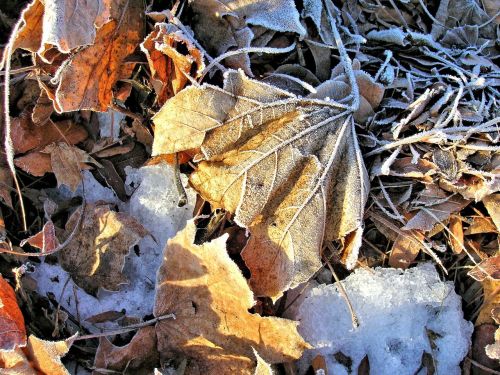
(289, 168)
(87, 78)
(210, 299)
(139, 356)
(96, 256)
(39, 357)
(66, 163)
(170, 67)
(12, 330)
(223, 24)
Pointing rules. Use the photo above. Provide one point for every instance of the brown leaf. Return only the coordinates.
(12, 330)
(210, 299)
(35, 163)
(406, 248)
(289, 168)
(40, 357)
(489, 267)
(96, 256)
(45, 240)
(456, 234)
(427, 217)
(27, 136)
(87, 78)
(66, 162)
(481, 224)
(168, 65)
(492, 204)
(491, 300)
(139, 356)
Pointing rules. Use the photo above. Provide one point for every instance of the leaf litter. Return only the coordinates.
(262, 140)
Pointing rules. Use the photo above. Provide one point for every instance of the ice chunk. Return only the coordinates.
(109, 123)
(402, 314)
(154, 205)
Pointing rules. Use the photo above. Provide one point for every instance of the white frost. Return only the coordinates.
(154, 205)
(397, 311)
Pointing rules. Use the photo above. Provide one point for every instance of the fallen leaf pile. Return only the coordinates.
(317, 137)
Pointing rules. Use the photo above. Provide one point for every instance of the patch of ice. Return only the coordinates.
(154, 205)
(109, 123)
(400, 314)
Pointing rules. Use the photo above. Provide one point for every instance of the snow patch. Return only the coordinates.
(400, 314)
(154, 204)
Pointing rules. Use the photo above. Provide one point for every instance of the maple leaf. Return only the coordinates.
(289, 168)
(210, 299)
(39, 357)
(96, 256)
(12, 330)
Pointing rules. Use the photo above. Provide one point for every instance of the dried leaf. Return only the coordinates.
(405, 249)
(492, 204)
(170, 67)
(12, 330)
(489, 267)
(210, 299)
(66, 162)
(45, 240)
(27, 136)
(40, 357)
(456, 234)
(263, 368)
(428, 216)
(289, 168)
(87, 78)
(96, 256)
(139, 356)
(35, 163)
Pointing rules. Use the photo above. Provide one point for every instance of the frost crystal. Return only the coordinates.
(402, 314)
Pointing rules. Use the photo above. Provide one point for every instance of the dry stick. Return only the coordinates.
(482, 367)
(239, 51)
(126, 329)
(346, 61)
(9, 148)
(354, 317)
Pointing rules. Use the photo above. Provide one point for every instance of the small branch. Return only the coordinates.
(126, 329)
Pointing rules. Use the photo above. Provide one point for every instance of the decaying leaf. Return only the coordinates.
(12, 330)
(45, 240)
(492, 204)
(169, 67)
(137, 357)
(289, 168)
(210, 299)
(88, 77)
(96, 256)
(66, 163)
(406, 248)
(39, 357)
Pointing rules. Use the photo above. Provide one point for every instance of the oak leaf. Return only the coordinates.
(39, 357)
(289, 168)
(96, 256)
(210, 299)
(12, 330)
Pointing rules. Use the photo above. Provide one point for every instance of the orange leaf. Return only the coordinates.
(12, 330)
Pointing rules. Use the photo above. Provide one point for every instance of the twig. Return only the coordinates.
(9, 148)
(354, 317)
(346, 61)
(126, 329)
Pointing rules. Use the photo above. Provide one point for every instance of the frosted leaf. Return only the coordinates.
(289, 168)
(400, 314)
